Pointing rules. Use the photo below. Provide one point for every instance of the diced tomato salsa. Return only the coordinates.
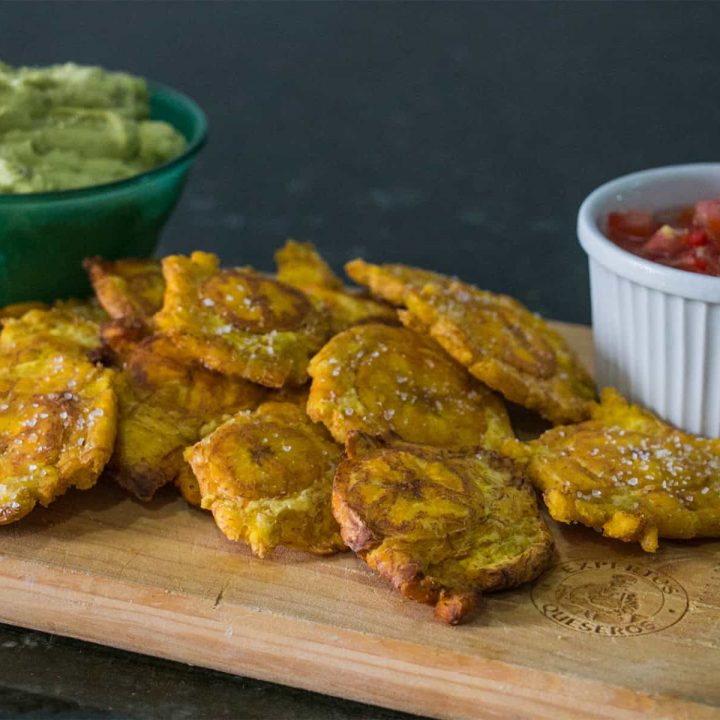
(688, 238)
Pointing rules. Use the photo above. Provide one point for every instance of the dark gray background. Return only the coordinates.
(456, 136)
(460, 137)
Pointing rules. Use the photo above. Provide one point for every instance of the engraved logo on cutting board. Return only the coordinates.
(610, 598)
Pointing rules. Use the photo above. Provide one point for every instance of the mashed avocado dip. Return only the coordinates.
(69, 126)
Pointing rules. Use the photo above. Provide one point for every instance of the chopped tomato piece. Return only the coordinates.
(708, 259)
(694, 263)
(684, 218)
(698, 238)
(707, 216)
(631, 225)
(666, 241)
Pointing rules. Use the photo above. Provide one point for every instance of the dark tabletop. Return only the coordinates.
(456, 136)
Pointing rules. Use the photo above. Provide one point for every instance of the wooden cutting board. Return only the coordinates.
(609, 632)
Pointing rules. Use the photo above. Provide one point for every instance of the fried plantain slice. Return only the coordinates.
(163, 403)
(299, 265)
(238, 322)
(17, 310)
(496, 337)
(57, 426)
(346, 309)
(628, 473)
(442, 526)
(130, 290)
(69, 326)
(267, 478)
(392, 282)
(377, 378)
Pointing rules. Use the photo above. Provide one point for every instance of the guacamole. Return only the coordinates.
(69, 126)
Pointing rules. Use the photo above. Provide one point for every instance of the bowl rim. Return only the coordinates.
(693, 286)
(194, 146)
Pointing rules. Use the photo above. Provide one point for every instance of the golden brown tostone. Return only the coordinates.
(130, 290)
(377, 378)
(57, 409)
(392, 282)
(300, 265)
(57, 427)
(70, 326)
(17, 310)
(239, 323)
(442, 526)
(267, 478)
(628, 473)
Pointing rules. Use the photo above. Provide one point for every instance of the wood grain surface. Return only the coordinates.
(609, 632)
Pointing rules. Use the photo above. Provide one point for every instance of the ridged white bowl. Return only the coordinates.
(656, 329)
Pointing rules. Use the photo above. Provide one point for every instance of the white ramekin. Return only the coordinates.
(656, 329)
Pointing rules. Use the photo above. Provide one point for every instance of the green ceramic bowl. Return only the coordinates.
(45, 236)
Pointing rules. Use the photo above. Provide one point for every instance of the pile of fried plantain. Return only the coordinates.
(301, 413)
